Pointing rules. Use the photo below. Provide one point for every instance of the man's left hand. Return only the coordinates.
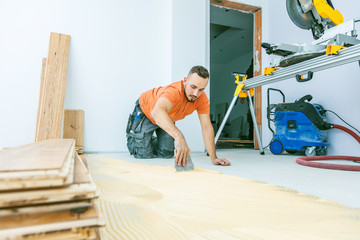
(221, 161)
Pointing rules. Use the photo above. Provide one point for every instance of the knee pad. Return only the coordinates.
(143, 153)
(139, 146)
(163, 153)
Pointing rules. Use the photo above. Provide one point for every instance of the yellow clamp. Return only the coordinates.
(333, 49)
(240, 85)
(269, 70)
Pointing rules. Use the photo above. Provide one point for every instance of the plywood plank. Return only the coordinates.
(10, 181)
(74, 126)
(24, 220)
(44, 230)
(44, 164)
(24, 225)
(86, 233)
(75, 191)
(52, 105)
(44, 155)
(82, 188)
(35, 209)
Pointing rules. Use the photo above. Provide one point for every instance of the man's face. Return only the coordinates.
(194, 86)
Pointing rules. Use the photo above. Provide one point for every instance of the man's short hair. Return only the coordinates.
(199, 70)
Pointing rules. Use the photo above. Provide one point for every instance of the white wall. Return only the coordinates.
(190, 47)
(336, 89)
(118, 49)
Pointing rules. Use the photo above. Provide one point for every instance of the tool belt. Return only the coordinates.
(136, 119)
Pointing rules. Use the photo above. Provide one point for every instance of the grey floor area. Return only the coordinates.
(281, 170)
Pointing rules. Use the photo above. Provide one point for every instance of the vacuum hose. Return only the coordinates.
(306, 161)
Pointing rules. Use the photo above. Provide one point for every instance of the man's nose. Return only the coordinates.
(195, 92)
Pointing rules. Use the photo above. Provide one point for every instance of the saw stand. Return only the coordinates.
(335, 56)
(239, 93)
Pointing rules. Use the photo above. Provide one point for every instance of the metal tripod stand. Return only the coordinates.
(239, 93)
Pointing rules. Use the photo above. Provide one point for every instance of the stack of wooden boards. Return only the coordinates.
(46, 192)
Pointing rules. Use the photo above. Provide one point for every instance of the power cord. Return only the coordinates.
(342, 120)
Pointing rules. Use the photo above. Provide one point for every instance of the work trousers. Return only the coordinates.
(141, 141)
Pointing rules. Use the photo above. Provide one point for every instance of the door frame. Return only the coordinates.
(256, 11)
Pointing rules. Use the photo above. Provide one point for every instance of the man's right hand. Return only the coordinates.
(162, 118)
(182, 151)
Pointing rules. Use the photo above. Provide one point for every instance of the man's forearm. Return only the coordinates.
(208, 135)
(163, 120)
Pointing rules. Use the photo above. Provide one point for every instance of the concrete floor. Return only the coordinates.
(281, 170)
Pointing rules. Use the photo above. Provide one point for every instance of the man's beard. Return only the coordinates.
(190, 100)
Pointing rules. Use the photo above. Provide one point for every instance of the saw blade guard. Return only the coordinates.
(317, 15)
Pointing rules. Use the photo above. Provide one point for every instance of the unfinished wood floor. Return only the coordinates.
(154, 202)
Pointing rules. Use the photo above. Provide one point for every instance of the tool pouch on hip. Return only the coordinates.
(130, 123)
(137, 125)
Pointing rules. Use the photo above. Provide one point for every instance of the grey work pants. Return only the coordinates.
(140, 140)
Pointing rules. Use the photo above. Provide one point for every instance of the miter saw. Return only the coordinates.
(327, 26)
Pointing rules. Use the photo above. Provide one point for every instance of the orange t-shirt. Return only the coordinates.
(174, 92)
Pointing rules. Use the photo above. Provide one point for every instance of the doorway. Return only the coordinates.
(231, 51)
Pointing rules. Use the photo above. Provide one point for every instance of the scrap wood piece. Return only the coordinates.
(83, 158)
(74, 127)
(82, 174)
(52, 92)
(44, 164)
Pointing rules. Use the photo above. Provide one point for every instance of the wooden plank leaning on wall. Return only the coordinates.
(74, 127)
(52, 90)
(41, 92)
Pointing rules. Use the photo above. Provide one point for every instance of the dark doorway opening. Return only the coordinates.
(231, 50)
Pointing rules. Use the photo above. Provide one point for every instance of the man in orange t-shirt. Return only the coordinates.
(159, 108)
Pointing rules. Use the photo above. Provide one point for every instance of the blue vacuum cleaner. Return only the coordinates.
(299, 126)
